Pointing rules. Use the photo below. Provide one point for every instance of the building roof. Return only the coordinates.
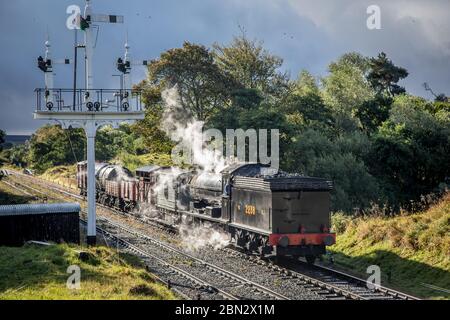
(42, 208)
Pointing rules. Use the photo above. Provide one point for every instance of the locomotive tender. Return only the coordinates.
(263, 211)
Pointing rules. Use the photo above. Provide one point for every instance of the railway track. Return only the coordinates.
(340, 283)
(219, 281)
(339, 278)
(326, 283)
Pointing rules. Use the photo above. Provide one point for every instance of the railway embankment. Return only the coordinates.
(412, 250)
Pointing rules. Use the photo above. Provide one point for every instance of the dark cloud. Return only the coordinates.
(308, 34)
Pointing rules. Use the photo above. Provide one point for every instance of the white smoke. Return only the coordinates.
(123, 174)
(166, 179)
(206, 236)
(188, 133)
(146, 211)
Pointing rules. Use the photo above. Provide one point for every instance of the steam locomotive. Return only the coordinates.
(263, 211)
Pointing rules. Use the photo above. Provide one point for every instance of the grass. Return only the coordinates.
(412, 250)
(63, 175)
(40, 272)
(9, 195)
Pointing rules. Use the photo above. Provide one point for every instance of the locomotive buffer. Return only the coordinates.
(89, 108)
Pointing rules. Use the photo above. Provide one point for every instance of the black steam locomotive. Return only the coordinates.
(263, 211)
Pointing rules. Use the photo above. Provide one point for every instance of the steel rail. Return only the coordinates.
(377, 288)
(136, 250)
(200, 261)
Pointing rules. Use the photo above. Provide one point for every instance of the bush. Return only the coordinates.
(340, 222)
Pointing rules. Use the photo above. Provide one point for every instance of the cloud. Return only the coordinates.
(415, 34)
(307, 34)
(346, 19)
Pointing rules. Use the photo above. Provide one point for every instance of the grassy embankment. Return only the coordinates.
(9, 195)
(413, 251)
(40, 272)
(63, 175)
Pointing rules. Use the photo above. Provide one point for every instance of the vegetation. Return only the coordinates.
(413, 251)
(356, 125)
(63, 175)
(133, 162)
(9, 195)
(40, 272)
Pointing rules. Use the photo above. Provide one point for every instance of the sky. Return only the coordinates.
(307, 34)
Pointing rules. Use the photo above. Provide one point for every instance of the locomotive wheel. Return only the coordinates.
(310, 258)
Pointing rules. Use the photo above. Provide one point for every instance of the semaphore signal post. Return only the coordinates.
(89, 108)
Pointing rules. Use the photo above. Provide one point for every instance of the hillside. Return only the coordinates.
(413, 251)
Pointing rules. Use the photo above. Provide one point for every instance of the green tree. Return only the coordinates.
(346, 88)
(412, 149)
(384, 75)
(340, 159)
(18, 155)
(305, 106)
(2, 138)
(252, 66)
(149, 129)
(372, 113)
(110, 142)
(201, 85)
(51, 146)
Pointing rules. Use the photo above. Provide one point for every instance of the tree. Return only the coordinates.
(19, 154)
(374, 112)
(110, 142)
(51, 146)
(384, 75)
(2, 138)
(252, 66)
(305, 106)
(154, 138)
(437, 97)
(201, 85)
(412, 149)
(340, 159)
(346, 88)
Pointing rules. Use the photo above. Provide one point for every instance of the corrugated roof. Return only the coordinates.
(42, 208)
